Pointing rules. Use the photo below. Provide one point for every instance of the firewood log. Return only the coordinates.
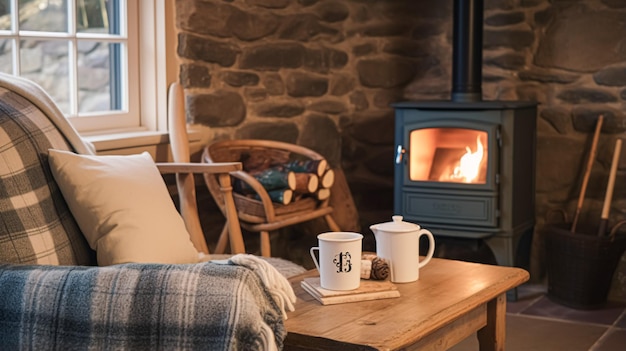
(328, 179)
(258, 160)
(306, 183)
(322, 194)
(254, 162)
(307, 166)
(271, 179)
(275, 178)
(281, 196)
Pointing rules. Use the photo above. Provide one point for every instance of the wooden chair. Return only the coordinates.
(185, 182)
(263, 215)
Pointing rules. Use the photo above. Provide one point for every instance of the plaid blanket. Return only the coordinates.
(237, 305)
(204, 306)
(36, 225)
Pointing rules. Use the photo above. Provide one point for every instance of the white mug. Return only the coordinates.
(340, 260)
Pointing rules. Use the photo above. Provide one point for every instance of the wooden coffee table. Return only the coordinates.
(450, 301)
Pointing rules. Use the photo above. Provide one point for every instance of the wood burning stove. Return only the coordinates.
(465, 167)
(467, 170)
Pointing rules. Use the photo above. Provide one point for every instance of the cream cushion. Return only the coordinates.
(123, 208)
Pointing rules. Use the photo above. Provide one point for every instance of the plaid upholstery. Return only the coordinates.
(137, 307)
(51, 300)
(36, 226)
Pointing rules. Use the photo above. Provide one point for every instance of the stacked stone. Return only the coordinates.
(322, 73)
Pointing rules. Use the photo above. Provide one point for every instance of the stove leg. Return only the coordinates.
(511, 295)
(505, 249)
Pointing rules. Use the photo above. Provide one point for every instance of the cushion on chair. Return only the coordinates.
(36, 226)
(123, 207)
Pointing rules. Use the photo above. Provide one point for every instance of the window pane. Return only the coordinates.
(97, 16)
(99, 76)
(43, 15)
(5, 14)
(46, 63)
(6, 56)
(84, 65)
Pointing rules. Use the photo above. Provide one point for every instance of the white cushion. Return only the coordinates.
(123, 208)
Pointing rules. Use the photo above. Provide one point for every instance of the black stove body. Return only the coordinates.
(466, 167)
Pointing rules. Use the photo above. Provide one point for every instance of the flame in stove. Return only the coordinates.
(468, 167)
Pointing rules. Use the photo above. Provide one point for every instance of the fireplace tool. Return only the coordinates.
(602, 227)
(580, 265)
(583, 188)
(609, 189)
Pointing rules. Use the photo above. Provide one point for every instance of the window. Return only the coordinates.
(86, 54)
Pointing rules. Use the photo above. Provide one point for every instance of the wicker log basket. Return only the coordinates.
(259, 212)
(581, 264)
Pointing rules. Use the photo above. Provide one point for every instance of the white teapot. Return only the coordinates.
(398, 243)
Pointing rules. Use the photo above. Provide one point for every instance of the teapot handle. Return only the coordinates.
(431, 246)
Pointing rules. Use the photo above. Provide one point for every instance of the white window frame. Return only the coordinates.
(129, 115)
(157, 66)
(152, 66)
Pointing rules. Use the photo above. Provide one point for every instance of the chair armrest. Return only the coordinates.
(220, 167)
(188, 208)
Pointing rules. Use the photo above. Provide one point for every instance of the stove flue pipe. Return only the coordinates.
(467, 51)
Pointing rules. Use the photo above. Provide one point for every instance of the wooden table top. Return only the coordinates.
(445, 291)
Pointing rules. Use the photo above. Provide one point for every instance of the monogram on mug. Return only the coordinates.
(343, 262)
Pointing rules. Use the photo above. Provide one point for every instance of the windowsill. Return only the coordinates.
(125, 140)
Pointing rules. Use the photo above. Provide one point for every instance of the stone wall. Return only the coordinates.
(322, 73)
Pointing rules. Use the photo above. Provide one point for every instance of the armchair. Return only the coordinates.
(263, 215)
(54, 296)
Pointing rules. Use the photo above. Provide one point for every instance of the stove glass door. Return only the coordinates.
(456, 155)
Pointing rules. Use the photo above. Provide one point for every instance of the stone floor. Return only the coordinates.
(536, 323)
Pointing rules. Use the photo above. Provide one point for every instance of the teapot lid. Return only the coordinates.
(397, 225)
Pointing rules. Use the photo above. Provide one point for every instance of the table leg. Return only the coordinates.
(493, 336)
